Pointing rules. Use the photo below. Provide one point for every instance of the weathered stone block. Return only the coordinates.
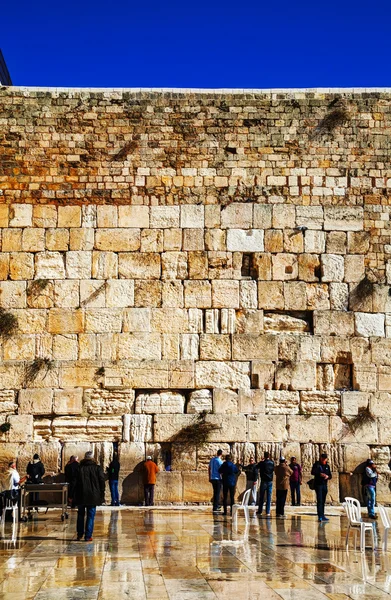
(229, 374)
(7, 401)
(262, 374)
(271, 295)
(251, 401)
(369, 325)
(354, 430)
(35, 401)
(245, 240)
(285, 267)
(49, 265)
(320, 403)
(332, 267)
(68, 402)
(65, 321)
(282, 402)
(225, 401)
(160, 402)
(139, 346)
(267, 428)
(236, 216)
(200, 401)
(252, 347)
(21, 428)
(145, 265)
(333, 323)
(215, 347)
(133, 216)
(343, 218)
(296, 376)
(308, 428)
(110, 402)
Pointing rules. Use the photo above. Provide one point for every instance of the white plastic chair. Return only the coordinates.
(386, 524)
(243, 506)
(353, 512)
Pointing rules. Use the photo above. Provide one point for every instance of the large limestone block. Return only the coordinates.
(104, 265)
(285, 267)
(354, 268)
(183, 457)
(262, 374)
(245, 240)
(68, 401)
(267, 428)
(307, 428)
(192, 216)
(174, 265)
(109, 402)
(137, 319)
(343, 218)
(21, 265)
(19, 347)
(248, 295)
(21, 428)
(215, 347)
(248, 321)
(189, 346)
(225, 294)
(380, 404)
(309, 216)
(320, 403)
(7, 401)
(354, 430)
(384, 425)
(163, 217)
(36, 401)
(63, 320)
(140, 346)
(77, 376)
(251, 401)
(69, 216)
(21, 215)
(66, 294)
(381, 352)
(134, 265)
(147, 374)
(65, 347)
(168, 320)
(49, 265)
(196, 488)
(282, 402)
(296, 376)
(137, 428)
(225, 401)
(271, 295)
(13, 294)
(119, 293)
(352, 402)
(253, 347)
(117, 240)
(70, 429)
(216, 374)
(168, 488)
(132, 456)
(295, 295)
(231, 428)
(104, 429)
(355, 455)
(332, 322)
(332, 267)
(78, 265)
(133, 216)
(12, 375)
(44, 215)
(103, 320)
(160, 402)
(198, 294)
(369, 325)
(169, 427)
(199, 401)
(237, 216)
(365, 377)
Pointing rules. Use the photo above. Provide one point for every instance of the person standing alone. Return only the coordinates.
(369, 482)
(89, 492)
(228, 472)
(322, 474)
(113, 473)
(265, 469)
(283, 473)
(150, 470)
(71, 470)
(215, 479)
(295, 481)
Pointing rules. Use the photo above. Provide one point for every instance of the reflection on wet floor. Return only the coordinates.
(188, 555)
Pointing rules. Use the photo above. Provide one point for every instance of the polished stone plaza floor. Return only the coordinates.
(188, 555)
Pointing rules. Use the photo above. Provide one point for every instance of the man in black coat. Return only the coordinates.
(71, 471)
(322, 474)
(89, 492)
(266, 471)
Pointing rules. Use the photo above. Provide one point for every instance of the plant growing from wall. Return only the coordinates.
(8, 324)
(333, 119)
(364, 417)
(4, 427)
(37, 366)
(195, 434)
(37, 286)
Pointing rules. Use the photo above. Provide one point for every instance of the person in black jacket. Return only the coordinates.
(228, 472)
(71, 470)
(35, 471)
(322, 474)
(266, 470)
(89, 492)
(113, 473)
(251, 471)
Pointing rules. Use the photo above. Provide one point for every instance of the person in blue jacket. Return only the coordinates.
(228, 472)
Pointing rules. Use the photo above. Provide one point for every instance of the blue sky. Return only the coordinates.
(242, 44)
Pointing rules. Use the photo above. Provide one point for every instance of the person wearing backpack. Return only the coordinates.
(113, 472)
(369, 482)
(266, 470)
(322, 474)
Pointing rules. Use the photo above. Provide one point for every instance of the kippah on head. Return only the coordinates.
(149, 457)
(88, 454)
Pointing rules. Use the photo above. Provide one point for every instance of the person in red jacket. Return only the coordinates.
(150, 470)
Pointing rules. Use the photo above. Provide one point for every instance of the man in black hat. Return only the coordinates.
(322, 474)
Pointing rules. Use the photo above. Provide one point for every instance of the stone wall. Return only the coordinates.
(166, 254)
